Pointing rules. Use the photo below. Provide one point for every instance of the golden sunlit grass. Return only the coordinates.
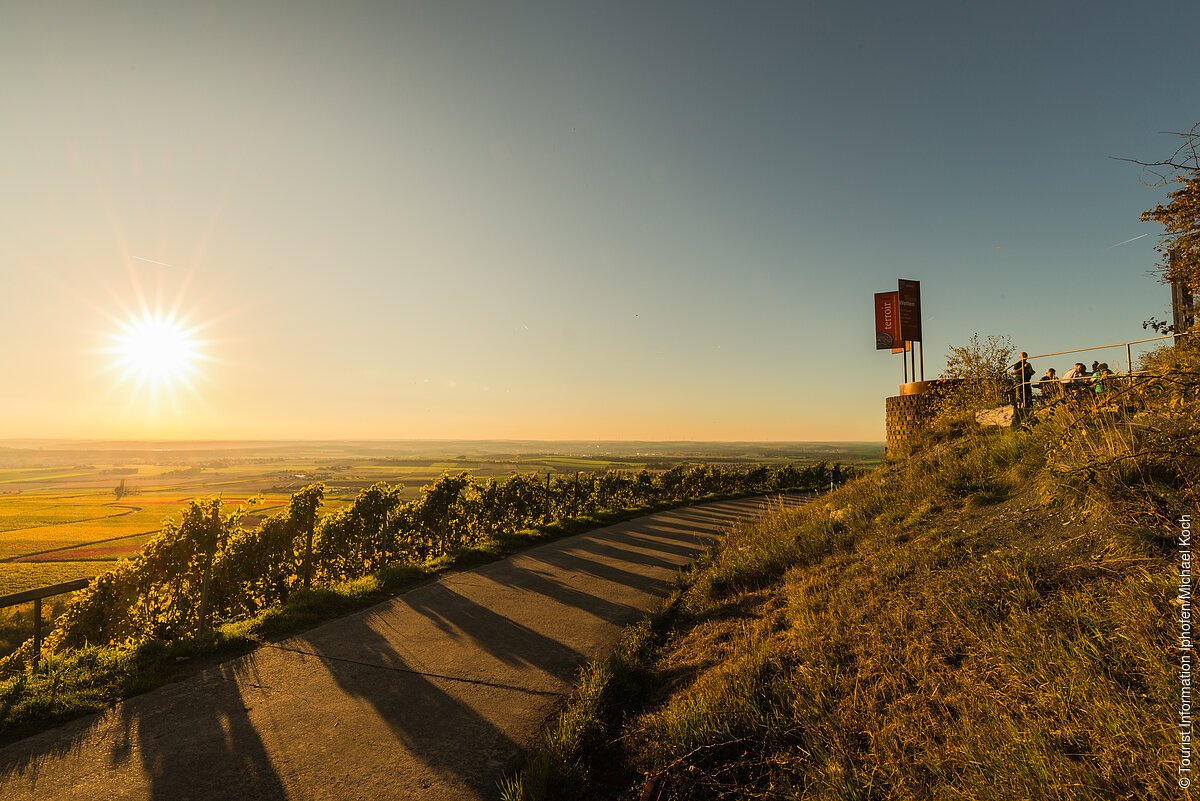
(955, 625)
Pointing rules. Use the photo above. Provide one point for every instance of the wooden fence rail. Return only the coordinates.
(36, 595)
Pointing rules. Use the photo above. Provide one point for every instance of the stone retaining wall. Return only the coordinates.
(906, 418)
(908, 415)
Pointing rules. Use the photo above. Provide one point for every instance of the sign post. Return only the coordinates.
(887, 321)
(910, 318)
(898, 324)
(887, 324)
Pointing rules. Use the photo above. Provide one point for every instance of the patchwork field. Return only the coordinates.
(69, 510)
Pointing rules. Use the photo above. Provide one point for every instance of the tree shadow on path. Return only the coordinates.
(189, 740)
(439, 722)
(546, 584)
(202, 744)
(505, 639)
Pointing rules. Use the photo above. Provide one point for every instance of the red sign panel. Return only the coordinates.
(887, 320)
(910, 310)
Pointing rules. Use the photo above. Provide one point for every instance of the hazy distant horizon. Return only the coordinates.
(30, 452)
(390, 440)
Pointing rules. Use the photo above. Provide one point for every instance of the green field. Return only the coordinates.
(61, 517)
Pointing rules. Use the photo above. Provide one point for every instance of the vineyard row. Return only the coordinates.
(206, 568)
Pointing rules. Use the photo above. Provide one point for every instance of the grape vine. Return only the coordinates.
(160, 593)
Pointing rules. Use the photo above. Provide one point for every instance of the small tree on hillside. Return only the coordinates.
(980, 374)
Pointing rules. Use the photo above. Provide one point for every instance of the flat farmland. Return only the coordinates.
(70, 510)
(57, 525)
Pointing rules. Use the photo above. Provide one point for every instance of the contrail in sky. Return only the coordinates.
(173, 267)
(1126, 242)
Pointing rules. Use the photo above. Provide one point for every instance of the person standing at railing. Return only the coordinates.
(1098, 377)
(1023, 371)
(1074, 375)
(1048, 385)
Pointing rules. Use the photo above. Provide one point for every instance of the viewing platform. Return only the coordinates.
(909, 413)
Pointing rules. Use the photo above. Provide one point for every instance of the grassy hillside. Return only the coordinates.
(992, 617)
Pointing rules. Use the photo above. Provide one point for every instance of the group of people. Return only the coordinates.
(1051, 385)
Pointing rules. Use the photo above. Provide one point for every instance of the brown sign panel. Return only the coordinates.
(910, 310)
(887, 320)
(906, 349)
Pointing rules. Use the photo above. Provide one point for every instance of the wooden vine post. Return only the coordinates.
(308, 543)
(575, 497)
(206, 580)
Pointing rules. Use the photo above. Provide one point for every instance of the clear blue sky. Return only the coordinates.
(562, 220)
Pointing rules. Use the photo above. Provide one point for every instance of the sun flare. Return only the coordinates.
(157, 350)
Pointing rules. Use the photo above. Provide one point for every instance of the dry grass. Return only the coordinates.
(990, 618)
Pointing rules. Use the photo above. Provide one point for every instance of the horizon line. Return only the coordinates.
(438, 439)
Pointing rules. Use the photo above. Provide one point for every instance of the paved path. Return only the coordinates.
(432, 694)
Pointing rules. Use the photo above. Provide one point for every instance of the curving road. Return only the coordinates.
(432, 694)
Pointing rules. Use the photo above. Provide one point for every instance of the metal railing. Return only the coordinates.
(36, 595)
(1127, 345)
(1023, 389)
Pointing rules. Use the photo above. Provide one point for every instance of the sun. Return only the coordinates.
(157, 350)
